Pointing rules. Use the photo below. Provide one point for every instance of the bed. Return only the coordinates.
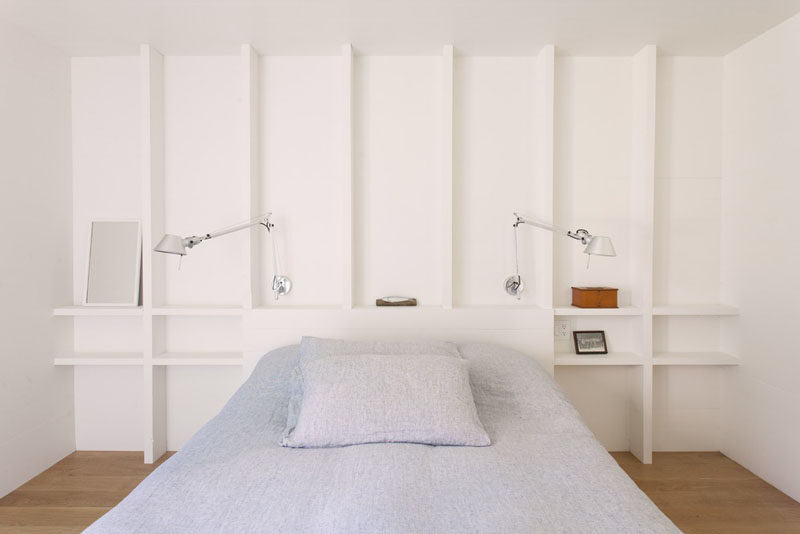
(544, 472)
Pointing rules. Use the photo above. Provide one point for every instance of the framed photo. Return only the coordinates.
(590, 342)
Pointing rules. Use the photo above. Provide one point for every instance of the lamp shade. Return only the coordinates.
(600, 245)
(172, 244)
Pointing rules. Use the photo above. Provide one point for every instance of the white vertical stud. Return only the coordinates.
(347, 175)
(447, 176)
(545, 91)
(250, 162)
(153, 276)
(642, 214)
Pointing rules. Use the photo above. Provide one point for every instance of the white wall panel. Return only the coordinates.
(397, 178)
(592, 170)
(302, 163)
(687, 241)
(204, 184)
(202, 334)
(108, 408)
(687, 406)
(604, 405)
(106, 149)
(195, 395)
(494, 176)
(689, 117)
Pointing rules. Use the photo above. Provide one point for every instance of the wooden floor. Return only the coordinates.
(702, 492)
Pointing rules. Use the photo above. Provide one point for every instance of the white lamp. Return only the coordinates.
(598, 245)
(174, 244)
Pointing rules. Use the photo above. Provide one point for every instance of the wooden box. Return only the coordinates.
(594, 297)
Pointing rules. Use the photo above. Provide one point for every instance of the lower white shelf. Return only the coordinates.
(100, 358)
(694, 358)
(612, 358)
(199, 358)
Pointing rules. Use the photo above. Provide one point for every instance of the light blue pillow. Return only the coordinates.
(312, 348)
(371, 398)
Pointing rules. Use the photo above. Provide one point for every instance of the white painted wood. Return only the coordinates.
(585, 113)
(567, 311)
(397, 177)
(249, 112)
(204, 186)
(199, 358)
(604, 405)
(495, 174)
(642, 206)
(300, 181)
(100, 358)
(401, 318)
(347, 176)
(612, 358)
(195, 394)
(543, 198)
(694, 358)
(695, 310)
(153, 265)
(109, 407)
(95, 311)
(447, 176)
(198, 311)
(592, 157)
(106, 149)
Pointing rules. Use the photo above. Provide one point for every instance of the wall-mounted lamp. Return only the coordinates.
(598, 245)
(173, 244)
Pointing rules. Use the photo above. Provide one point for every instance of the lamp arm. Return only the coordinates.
(581, 235)
(262, 220)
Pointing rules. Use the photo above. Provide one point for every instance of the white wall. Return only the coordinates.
(36, 402)
(760, 258)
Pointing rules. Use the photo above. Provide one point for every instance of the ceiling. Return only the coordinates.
(474, 27)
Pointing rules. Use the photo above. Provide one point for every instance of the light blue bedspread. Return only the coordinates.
(544, 472)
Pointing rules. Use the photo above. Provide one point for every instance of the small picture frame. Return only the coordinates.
(590, 342)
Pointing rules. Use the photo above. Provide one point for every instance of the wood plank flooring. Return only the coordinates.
(702, 492)
(708, 493)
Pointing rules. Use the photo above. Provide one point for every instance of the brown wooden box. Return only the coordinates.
(594, 297)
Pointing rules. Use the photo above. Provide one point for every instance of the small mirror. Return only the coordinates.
(114, 263)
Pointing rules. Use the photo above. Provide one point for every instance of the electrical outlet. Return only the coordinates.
(562, 330)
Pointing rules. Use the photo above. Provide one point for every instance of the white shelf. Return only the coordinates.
(100, 358)
(97, 311)
(694, 358)
(198, 311)
(696, 310)
(628, 311)
(199, 358)
(612, 358)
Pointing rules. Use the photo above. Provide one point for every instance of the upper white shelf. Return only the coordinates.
(612, 358)
(574, 311)
(199, 358)
(100, 358)
(199, 311)
(694, 358)
(690, 310)
(97, 311)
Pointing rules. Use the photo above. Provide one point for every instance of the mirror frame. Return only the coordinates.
(134, 302)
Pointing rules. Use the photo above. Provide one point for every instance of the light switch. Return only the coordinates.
(562, 330)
